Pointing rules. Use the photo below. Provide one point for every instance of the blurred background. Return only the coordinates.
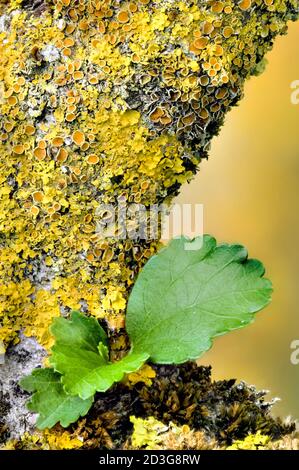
(250, 191)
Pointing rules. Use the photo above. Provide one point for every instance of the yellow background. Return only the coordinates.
(250, 191)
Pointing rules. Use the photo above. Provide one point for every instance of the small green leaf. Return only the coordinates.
(184, 298)
(103, 352)
(50, 400)
(83, 361)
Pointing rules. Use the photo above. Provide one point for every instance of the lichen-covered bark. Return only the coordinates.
(106, 102)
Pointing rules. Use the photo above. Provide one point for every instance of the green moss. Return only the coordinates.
(147, 433)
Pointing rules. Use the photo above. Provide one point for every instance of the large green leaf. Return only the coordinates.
(50, 401)
(183, 298)
(83, 360)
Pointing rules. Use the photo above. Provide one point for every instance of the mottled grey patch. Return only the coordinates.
(20, 360)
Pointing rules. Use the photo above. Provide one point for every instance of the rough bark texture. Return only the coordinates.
(105, 103)
(179, 398)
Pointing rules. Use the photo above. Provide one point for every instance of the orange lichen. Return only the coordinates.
(42, 144)
(57, 141)
(92, 159)
(39, 153)
(30, 130)
(200, 43)
(70, 117)
(8, 126)
(18, 149)
(12, 100)
(78, 138)
(217, 7)
(62, 155)
(34, 210)
(78, 75)
(123, 16)
(245, 4)
(68, 42)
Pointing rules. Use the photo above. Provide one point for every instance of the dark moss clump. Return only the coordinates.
(184, 394)
(224, 409)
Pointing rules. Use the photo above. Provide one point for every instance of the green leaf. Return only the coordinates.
(79, 330)
(82, 358)
(184, 297)
(50, 400)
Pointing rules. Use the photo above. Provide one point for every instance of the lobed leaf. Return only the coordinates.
(83, 361)
(184, 298)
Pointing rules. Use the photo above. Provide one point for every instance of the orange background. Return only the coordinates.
(250, 191)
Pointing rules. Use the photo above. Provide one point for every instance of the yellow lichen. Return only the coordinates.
(256, 441)
(46, 440)
(145, 374)
(151, 434)
(62, 441)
